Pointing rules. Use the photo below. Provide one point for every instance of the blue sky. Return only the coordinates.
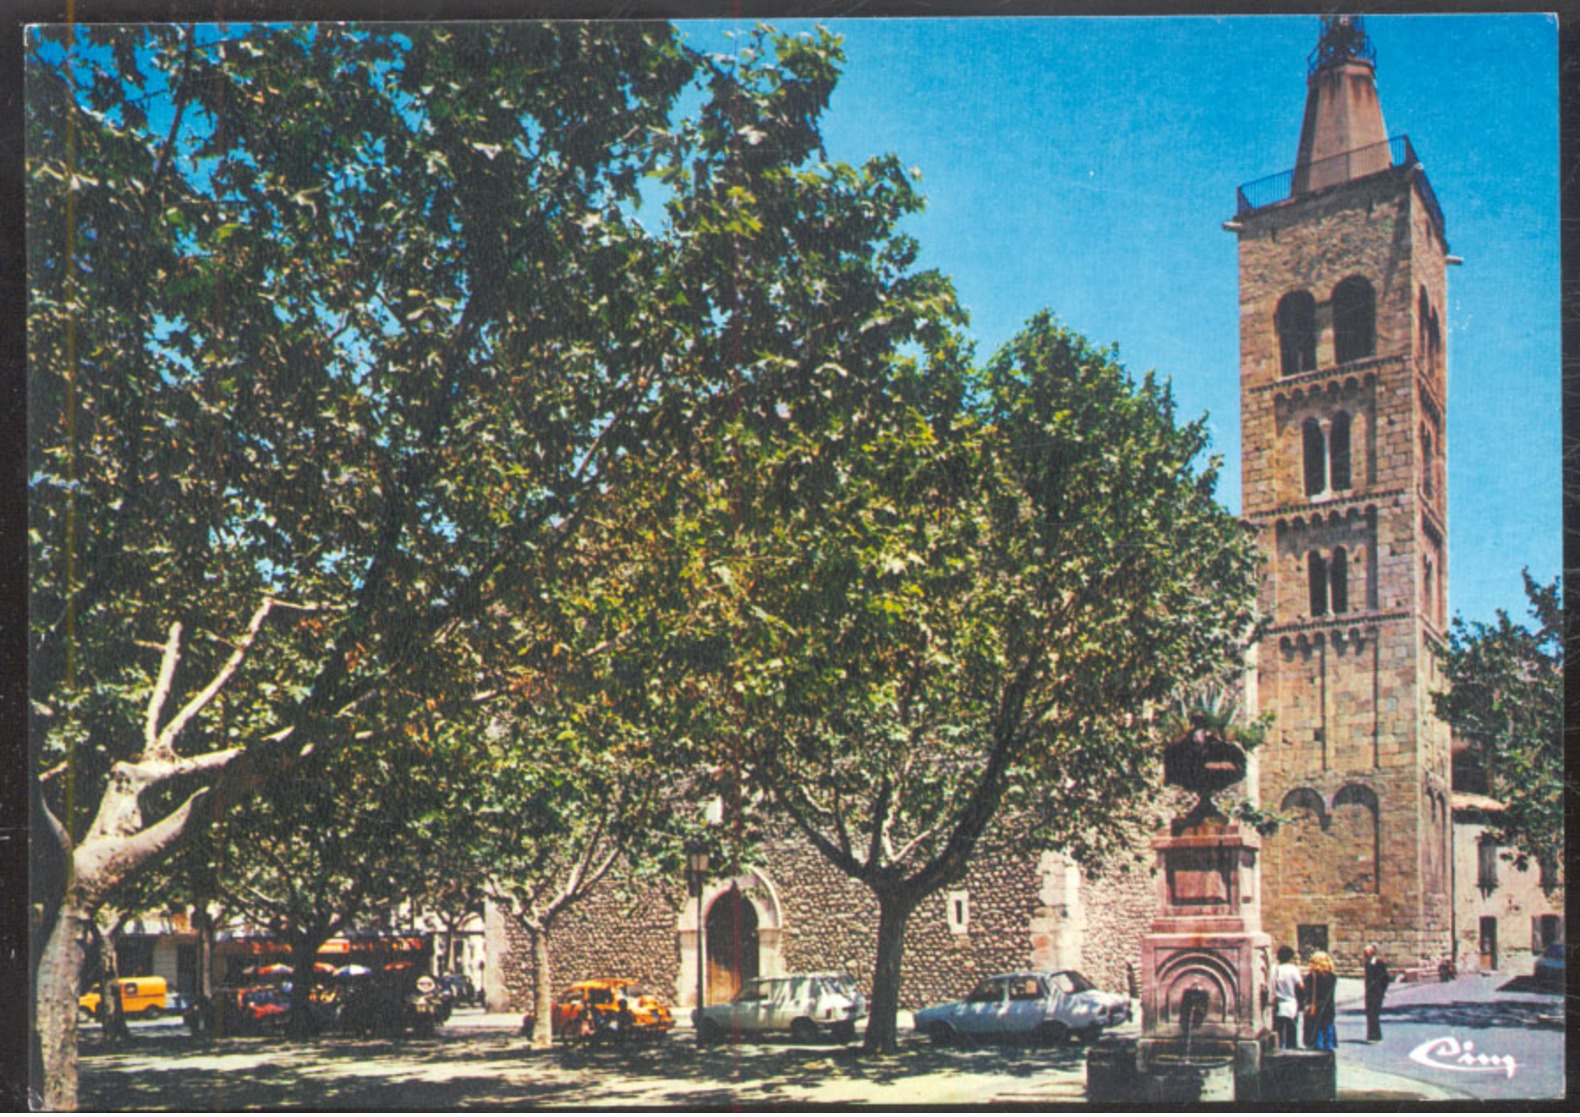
(1087, 165)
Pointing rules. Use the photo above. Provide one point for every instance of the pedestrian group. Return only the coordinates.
(1309, 998)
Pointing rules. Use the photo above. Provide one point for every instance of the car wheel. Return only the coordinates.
(1089, 1035)
(803, 1030)
(709, 1032)
(1051, 1033)
(941, 1034)
(149, 1013)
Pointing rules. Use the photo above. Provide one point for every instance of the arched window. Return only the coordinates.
(1339, 452)
(1423, 314)
(1316, 457)
(1317, 581)
(1296, 321)
(1338, 581)
(1354, 320)
(1307, 800)
(1429, 590)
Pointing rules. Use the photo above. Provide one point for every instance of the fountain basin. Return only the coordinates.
(1189, 1078)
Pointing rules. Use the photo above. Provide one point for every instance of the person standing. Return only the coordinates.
(1376, 983)
(1286, 999)
(1321, 995)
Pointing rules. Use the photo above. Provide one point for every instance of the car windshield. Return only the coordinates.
(1068, 981)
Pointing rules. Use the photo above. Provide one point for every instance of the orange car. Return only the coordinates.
(601, 999)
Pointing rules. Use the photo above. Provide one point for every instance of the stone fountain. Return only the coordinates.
(1206, 965)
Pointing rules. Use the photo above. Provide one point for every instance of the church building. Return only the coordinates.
(1342, 397)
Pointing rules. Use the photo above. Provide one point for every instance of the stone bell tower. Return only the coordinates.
(1342, 396)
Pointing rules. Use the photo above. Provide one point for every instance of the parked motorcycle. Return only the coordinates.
(426, 1008)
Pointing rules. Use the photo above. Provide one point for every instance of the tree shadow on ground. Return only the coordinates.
(1473, 1014)
(494, 1069)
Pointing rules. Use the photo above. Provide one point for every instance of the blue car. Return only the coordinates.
(1550, 966)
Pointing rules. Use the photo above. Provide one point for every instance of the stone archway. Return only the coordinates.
(740, 932)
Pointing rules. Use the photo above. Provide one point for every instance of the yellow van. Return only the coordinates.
(140, 996)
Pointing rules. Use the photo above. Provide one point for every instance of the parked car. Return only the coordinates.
(1549, 970)
(140, 996)
(592, 1009)
(1044, 1006)
(808, 1006)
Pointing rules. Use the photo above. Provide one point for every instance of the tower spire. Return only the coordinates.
(1342, 135)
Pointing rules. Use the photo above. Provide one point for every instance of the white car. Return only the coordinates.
(1044, 1006)
(808, 1006)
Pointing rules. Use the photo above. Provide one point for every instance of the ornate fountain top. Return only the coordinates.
(1203, 762)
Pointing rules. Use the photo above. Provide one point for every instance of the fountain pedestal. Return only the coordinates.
(1206, 965)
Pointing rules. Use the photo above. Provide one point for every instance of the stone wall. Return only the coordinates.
(1013, 918)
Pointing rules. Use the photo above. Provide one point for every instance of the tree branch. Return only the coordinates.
(164, 746)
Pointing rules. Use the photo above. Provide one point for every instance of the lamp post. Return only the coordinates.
(696, 872)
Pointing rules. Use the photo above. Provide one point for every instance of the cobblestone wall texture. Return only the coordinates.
(624, 933)
(828, 922)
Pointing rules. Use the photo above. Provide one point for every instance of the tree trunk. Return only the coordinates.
(304, 953)
(206, 956)
(112, 1011)
(894, 912)
(55, 1012)
(542, 991)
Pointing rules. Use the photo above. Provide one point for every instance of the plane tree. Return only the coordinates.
(1505, 698)
(950, 602)
(331, 331)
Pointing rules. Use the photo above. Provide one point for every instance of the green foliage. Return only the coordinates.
(1505, 698)
(361, 318)
(949, 599)
(1218, 709)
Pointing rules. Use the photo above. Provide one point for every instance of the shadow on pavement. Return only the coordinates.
(1526, 983)
(481, 1070)
(1472, 1014)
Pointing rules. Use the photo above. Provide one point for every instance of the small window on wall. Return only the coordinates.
(1354, 320)
(1487, 866)
(1296, 322)
(1546, 930)
(1310, 938)
(1315, 446)
(1317, 583)
(1339, 452)
(1339, 582)
(1547, 867)
(957, 911)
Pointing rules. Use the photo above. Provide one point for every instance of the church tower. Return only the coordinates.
(1342, 396)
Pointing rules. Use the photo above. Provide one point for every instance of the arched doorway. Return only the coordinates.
(732, 944)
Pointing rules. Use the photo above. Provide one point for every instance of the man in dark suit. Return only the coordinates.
(1376, 988)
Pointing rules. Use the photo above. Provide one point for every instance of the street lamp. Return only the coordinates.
(696, 873)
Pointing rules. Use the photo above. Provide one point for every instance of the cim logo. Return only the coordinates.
(1447, 1053)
